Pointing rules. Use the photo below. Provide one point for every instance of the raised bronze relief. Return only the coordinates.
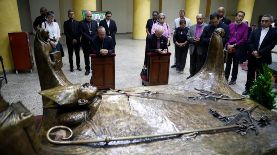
(167, 119)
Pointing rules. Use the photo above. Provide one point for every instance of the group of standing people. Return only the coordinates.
(241, 42)
(92, 37)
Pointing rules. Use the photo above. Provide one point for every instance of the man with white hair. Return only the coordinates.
(156, 42)
(88, 30)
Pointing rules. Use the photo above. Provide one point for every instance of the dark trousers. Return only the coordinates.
(201, 59)
(86, 57)
(232, 58)
(254, 69)
(145, 59)
(76, 48)
(181, 57)
(193, 63)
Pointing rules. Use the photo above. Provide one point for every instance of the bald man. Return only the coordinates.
(40, 19)
(88, 30)
(156, 42)
(102, 44)
(222, 18)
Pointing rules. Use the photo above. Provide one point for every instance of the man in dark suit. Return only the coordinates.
(88, 30)
(222, 18)
(197, 57)
(73, 34)
(109, 25)
(260, 43)
(102, 44)
(208, 31)
(156, 43)
(40, 19)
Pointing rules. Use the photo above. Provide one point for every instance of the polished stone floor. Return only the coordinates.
(129, 60)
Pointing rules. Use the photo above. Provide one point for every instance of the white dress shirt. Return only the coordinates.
(263, 34)
(108, 22)
(53, 29)
(177, 22)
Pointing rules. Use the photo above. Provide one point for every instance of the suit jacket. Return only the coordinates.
(149, 24)
(99, 44)
(88, 31)
(208, 31)
(151, 43)
(111, 30)
(225, 20)
(72, 30)
(267, 45)
(191, 36)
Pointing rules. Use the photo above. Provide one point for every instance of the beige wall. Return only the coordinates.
(171, 9)
(154, 6)
(123, 10)
(25, 15)
(51, 5)
(264, 7)
(122, 13)
(65, 5)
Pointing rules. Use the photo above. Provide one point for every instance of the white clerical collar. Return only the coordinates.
(49, 23)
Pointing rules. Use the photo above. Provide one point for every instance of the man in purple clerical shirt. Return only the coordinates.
(235, 45)
(196, 51)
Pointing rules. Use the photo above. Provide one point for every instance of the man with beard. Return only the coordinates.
(235, 46)
(197, 57)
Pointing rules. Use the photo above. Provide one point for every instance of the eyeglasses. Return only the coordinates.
(264, 21)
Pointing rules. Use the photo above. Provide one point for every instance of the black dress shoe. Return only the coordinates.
(79, 69)
(71, 70)
(245, 92)
(232, 82)
(87, 73)
(189, 76)
(173, 66)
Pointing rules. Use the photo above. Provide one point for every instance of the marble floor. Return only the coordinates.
(24, 87)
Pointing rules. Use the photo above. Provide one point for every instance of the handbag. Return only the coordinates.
(144, 73)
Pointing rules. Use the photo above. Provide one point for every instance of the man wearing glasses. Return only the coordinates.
(88, 30)
(235, 46)
(261, 42)
(109, 25)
